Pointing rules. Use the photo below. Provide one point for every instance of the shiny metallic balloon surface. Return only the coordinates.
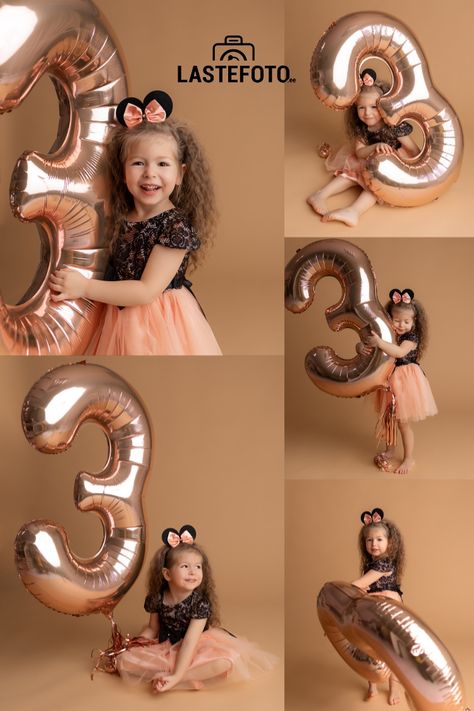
(358, 309)
(376, 635)
(61, 191)
(335, 69)
(54, 409)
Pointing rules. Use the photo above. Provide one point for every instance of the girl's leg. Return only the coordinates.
(408, 439)
(372, 690)
(393, 690)
(350, 215)
(335, 186)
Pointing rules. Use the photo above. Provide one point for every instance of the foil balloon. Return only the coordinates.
(376, 635)
(60, 191)
(53, 411)
(358, 308)
(335, 69)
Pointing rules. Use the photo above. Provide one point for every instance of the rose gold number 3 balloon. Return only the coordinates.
(60, 191)
(358, 308)
(376, 635)
(53, 411)
(335, 70)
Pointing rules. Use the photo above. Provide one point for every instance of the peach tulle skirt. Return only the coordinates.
(414, 399)
(144, 664)
(343, 161)
(173, 324)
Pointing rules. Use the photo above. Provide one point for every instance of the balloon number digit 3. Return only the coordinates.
(335, 70)
(358, 308)
(376, 635)
(53, 411)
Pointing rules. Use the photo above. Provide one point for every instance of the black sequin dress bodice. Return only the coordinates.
(387, 134)
(386, 582)
(411, 356)
(174, 619)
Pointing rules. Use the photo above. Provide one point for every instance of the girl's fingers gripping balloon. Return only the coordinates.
(358, 308)
(335, 70)
(61, 191)
(52, 413)
(376, 635)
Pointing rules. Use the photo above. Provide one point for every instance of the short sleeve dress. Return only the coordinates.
(409, 384)
(386, 582)
(173, 324)
(344, 161)
(243, 660)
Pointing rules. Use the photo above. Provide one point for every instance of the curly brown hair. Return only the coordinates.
(195, 196)
(421, 321)
(166, 557)
(395, 549)
(356, 129)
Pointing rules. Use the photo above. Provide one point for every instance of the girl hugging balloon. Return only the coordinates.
(409, 397)
(190, 649)
(161, 217)
(382, 558)
(369, 136)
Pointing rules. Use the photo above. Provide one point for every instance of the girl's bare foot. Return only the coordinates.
(346, 215)
(371, 691)
(405, 466)
(318, 203)
(393, 691)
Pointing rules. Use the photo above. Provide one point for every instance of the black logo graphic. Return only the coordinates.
(234, 64)
(233, 48)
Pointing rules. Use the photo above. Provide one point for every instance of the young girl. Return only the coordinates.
(382, 558)
(369, 135)
(413, 397)
(161, 213)
(191, 648)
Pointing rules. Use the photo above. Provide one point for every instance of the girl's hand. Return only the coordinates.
(373, 340)
(384, 149)
(67, 284)
(363, 348)
(165, 682)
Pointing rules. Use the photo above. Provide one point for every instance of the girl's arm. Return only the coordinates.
(161, 267)
(185, 655)
(362, 150)
(150, 631)
(391, 349)
(369, 578)
(409, 148)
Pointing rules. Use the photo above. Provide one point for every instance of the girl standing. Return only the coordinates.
(382, 558)
(191, 648)
(162, 214)
(413, 397)
(369, 135)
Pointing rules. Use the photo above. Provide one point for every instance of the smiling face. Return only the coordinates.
(367, 109)
(403, 320)
(376, 542)
(185, 573)
(151, 173)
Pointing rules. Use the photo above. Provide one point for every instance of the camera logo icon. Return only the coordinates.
(233, 48)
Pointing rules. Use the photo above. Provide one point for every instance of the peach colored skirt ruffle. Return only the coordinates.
(144, 664)
(344, 161)
(414, 399)
(173, 324)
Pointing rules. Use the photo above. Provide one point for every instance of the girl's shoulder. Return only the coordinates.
(200, 605)
(410, 336)
(172, 228)
(381, 565)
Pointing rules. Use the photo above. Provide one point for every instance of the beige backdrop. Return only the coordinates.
(322, 525)
(329, 437)
(217, 463)
(444, 32)
(241, 128)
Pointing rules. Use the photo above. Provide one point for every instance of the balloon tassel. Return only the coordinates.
(386, 428)
(106, 660)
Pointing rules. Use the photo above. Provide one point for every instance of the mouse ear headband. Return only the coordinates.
(406, 296)
(374, 516)
(156, 107)
(172, 538)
